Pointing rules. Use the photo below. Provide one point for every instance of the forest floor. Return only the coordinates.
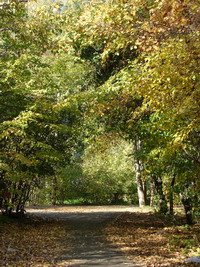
(156, 240)
(96, 236)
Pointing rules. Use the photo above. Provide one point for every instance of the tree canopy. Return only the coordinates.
(109, 89)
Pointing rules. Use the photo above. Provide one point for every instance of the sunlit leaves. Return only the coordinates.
(73, 71)
(107, 168)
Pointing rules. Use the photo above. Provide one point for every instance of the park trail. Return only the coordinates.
(87, 243)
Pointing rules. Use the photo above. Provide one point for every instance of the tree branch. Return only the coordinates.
(191, 156)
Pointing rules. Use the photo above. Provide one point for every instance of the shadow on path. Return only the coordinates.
(87, 242)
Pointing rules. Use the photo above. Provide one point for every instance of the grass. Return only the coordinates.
(185, 239)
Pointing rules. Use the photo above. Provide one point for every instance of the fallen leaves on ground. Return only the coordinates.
(32, 242)
(147, 238)
(155, 240)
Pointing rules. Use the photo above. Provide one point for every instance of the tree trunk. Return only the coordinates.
(141, 186)
(116, 199)
(152, 189)
(171, 196)
(162, 200)
(54, 190)
(187, 203)
(23, 199)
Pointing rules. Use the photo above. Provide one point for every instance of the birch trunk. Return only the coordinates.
(141, 186)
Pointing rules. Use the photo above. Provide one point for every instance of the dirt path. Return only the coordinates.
(96, 236)
(86, 241)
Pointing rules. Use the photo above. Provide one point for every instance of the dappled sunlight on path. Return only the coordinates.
(86, 241)
(81, 209)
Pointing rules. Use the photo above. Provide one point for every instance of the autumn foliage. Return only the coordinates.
(74, 74)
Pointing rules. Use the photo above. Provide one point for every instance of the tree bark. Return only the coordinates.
(141, 186)
(152, 189)
(171, 196)
(162, 200)
(54, 190)
(187, 204)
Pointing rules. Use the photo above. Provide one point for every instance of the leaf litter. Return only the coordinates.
(155, 240)
(34, 242)
(151, 239)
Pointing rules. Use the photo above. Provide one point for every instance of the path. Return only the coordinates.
(88, 244)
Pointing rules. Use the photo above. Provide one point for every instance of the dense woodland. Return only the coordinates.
(100, 101)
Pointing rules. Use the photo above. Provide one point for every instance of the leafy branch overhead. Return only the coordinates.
(83, 82)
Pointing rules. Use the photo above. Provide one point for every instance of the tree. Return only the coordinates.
(160, 84)
(74, 74)
(38, 134)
